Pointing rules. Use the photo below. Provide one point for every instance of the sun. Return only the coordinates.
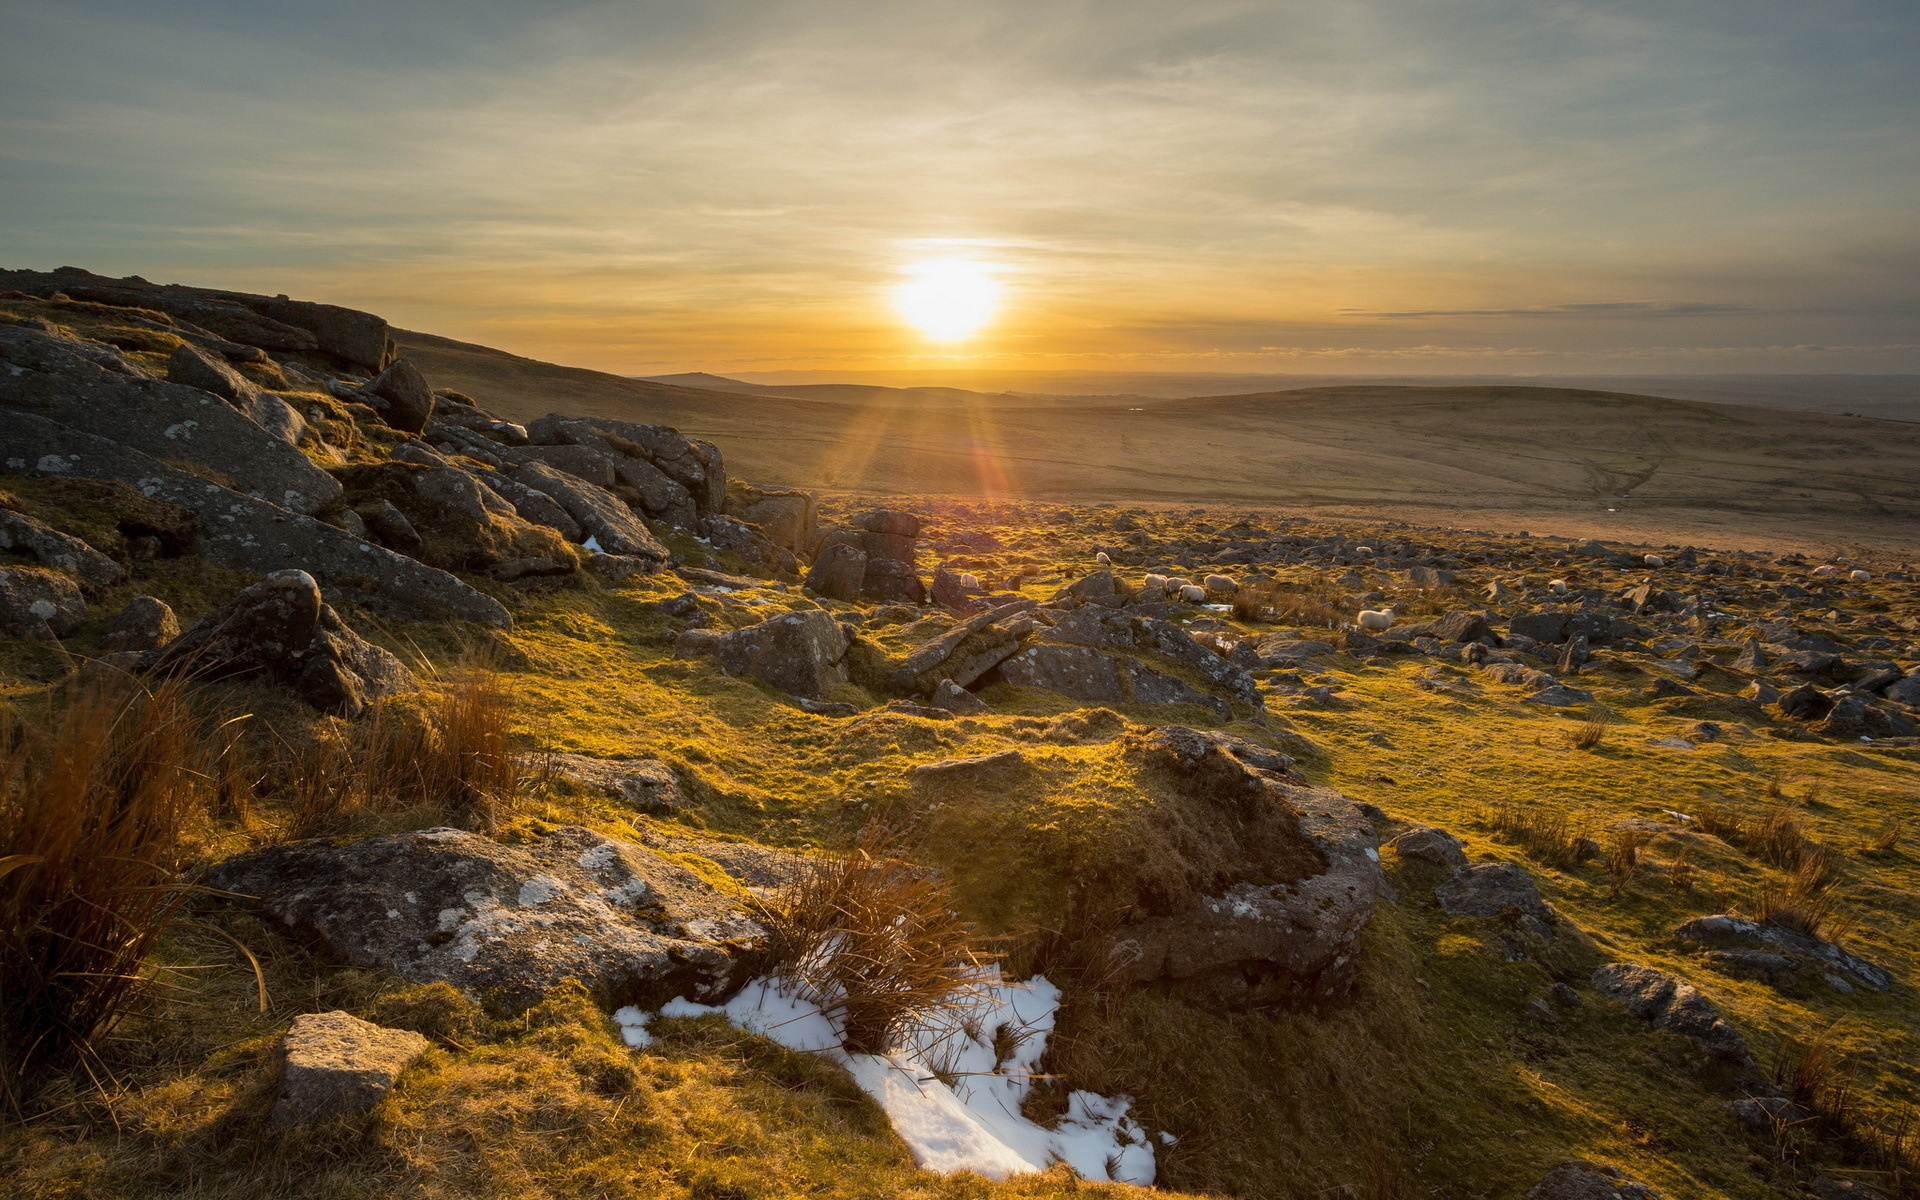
(947, 298)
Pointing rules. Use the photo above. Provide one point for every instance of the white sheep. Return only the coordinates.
(1375, 620)
(1193, 594)
(970, 582)
(1363, 551)
(1826, 570)
(1224, 584)
(1654, 560)
(1155, 581)
(1558, 587)
(1103, 558)
(1859, 576)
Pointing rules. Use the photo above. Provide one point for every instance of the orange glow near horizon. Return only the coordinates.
(948, 299)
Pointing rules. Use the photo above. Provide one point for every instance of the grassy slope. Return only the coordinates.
(1432, 1082)
(1542, 459)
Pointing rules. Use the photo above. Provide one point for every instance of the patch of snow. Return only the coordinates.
(1217, 607)
(947, 1092)
(592, 544)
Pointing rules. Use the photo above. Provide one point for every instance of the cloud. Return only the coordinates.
(1614, 308)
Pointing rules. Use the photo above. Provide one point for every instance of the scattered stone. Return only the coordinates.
(958, 700)
(1561, 696)
(976, 767)
(1672, 1004)
(801, 653)
(1579, 1180)
(281, 629)
(1768, 1113)
(646, 783)
(146, 623)
(837, 572)
(190, 367)
(1432, 846)
(1541, 1012)
(1491, 889)
(336, 1065)
(401, 395)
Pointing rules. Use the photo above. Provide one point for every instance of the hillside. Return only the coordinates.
(1506, 458)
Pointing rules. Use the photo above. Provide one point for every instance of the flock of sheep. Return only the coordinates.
(1379, 620)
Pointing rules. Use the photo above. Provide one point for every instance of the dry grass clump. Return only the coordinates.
(1681, 871)
(95, 803)
(1887, 839)
(875, 942)
(1805, 903)
(1311, 601)
(1623, 857)
(1592, 731)
(1548, 835)
(447, 762)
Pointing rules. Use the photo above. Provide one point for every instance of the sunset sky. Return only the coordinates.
(1319, 186)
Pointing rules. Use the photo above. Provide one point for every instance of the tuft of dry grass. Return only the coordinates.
(1551, 836)
(1592, 731)
(875, 941)
(1681, 871)
(448, 762)
(95, 800)
(1312, 601)
(1804, 903)
(1887, 839)
(1623, 857)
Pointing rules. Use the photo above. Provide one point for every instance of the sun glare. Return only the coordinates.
(947, 298)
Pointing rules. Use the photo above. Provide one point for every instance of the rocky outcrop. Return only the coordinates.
(962, 654)
(248, 534)
(838, 571)
(1431, 847)
(1742, 947)
(646, 783)
(1293, 932)
(281, 629)
(447, 518)
(24, 535)
(1083, 673)
(608, 524)
(1491, 889)
(51, 377)
(880, 546)
(401, 395)
(1674, 1005)
(336, 1065)
(509, 922)
(38, 603)
(692, 466)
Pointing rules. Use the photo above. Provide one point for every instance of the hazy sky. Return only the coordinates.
(1294, 185)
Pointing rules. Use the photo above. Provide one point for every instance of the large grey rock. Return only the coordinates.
(1294, 930)
(508, 922)
(598, 512)
(281, 629)
(1083, 673)
(584, 450)
(582, 462)
(1579, 1180)
(785, 517)
(646, 783)
(37, 602)
(1801, 951)
(402, 396)
(25, 535)
(962, 654)
(837, 572)
(50, 377)
(145, 623)
(958, 700)
(190, 367)
(1491, 889)
(335, 1065)
(1672, 1004)
(1434, 847)
(250, 534)
(801, 653)
(1099, 627)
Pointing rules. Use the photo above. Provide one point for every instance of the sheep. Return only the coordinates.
(1654, 560)
(1375, 620)
(1826, 570)
(1224, 584)
(1193, 595)
(1103, 558)
(1363, 551)
(1859, 576)
(1558, 587)
(970, 582)
(1155, 581)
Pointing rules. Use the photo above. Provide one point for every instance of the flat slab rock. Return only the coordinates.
(508, 922)
(1578, 1180)
(1673, 1004)
(334, 1064)
(1732, 936)
(1491, 889)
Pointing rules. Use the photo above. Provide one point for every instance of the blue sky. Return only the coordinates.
(1322, 185)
